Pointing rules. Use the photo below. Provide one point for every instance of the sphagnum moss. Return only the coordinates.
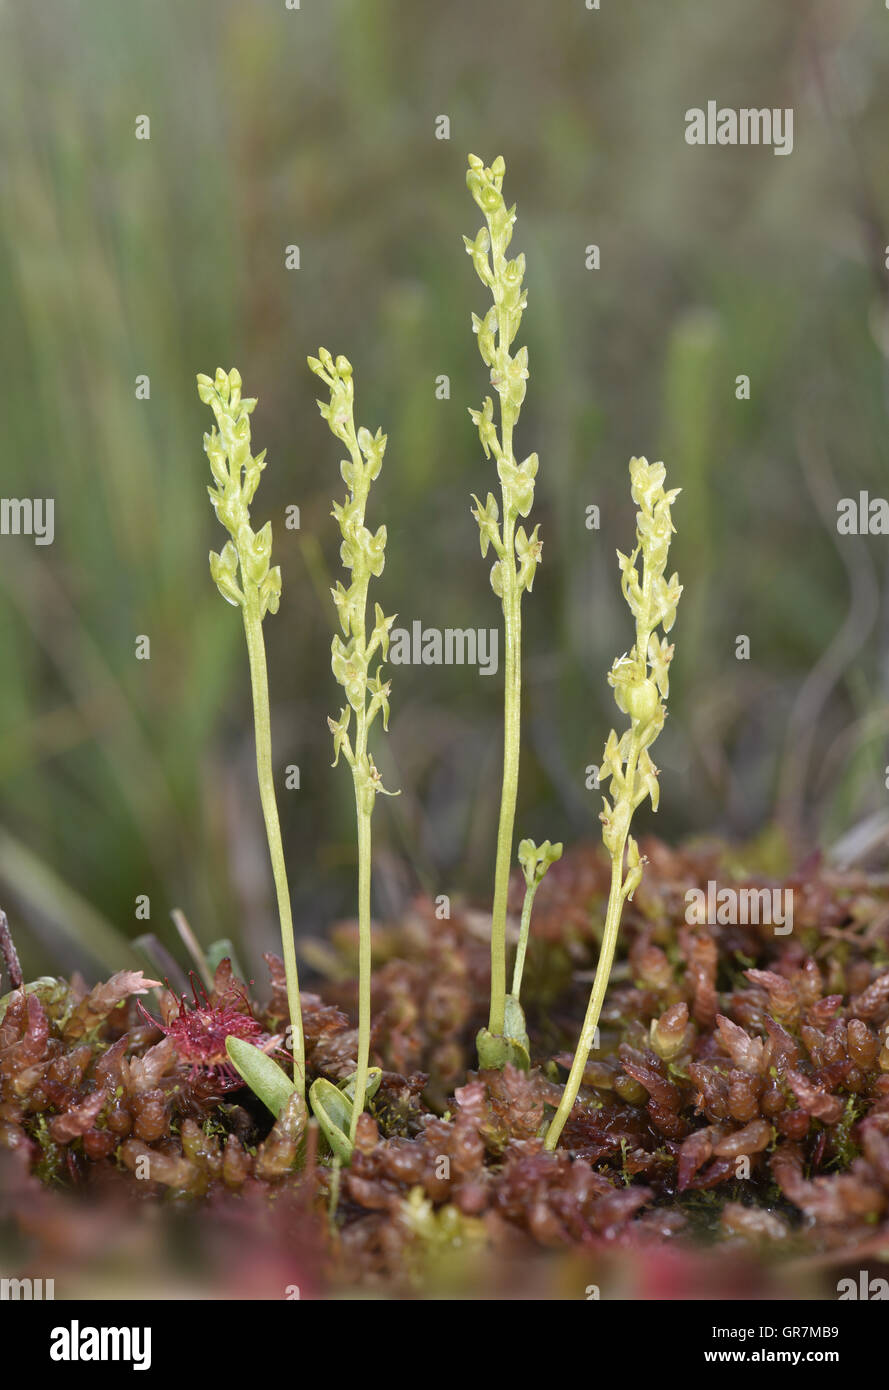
(243, 576)
(362, 552)
(518, 554)
(640, 682)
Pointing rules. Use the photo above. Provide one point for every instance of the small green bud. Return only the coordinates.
(536, 859)
(647, 777)
(270, 592)
(223, 570)
(487, 196)
(206, 389)
(635, 863)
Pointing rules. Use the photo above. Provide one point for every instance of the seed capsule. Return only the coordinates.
(642, 701)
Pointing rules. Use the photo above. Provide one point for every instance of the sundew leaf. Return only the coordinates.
(264, 1077)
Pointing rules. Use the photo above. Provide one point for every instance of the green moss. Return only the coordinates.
(846, 1148)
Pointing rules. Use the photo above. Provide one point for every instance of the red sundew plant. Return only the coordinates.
(199, 1030)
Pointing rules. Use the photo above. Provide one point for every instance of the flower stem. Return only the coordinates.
(594, 1008)
(511, 737)
(524, 932)
(364, 961)
(262, 722)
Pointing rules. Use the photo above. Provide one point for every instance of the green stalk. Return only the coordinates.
(594, 1008)
(509, 791)
(535, 861)
(518, 968)
(364, 962)
(263, 729)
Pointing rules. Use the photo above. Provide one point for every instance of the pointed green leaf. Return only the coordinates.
(264, 1077)
(514, 1026)
(372, 1085)
(495, 1051)
(333, 1112)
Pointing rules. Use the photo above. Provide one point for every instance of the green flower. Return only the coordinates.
(536, 859)
(529, 550)
(487, 517)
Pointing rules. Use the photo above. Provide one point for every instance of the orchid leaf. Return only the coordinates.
(265, 1078)
(333, 1112)
(333, 1108)
(495, 1050)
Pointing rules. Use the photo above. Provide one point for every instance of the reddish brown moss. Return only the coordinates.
(743, 1081)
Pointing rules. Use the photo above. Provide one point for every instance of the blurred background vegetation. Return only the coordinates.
(272, 127)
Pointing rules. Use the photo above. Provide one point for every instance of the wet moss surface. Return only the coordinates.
(732, 1130)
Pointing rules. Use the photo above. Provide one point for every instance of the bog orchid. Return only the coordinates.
(245, 579)
(640, 680)
(351, 657)
(517, 554)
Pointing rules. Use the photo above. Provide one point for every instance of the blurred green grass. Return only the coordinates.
(271, 127)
